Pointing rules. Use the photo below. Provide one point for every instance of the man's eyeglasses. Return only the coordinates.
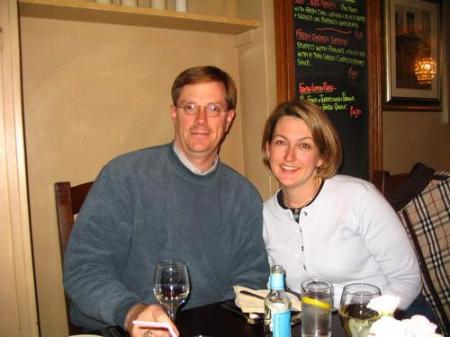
(192, 108)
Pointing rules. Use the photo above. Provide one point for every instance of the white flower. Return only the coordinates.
(416, 326)
(388, 326)
(385, 305)
(419, 326)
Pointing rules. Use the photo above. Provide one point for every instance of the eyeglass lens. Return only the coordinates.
(193, 108)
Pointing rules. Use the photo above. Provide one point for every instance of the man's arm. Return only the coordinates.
(98, 249)
(250, 262)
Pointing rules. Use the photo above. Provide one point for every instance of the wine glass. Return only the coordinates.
(171, 285)
(356, 317)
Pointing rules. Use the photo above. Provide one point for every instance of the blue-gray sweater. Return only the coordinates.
(145, 207)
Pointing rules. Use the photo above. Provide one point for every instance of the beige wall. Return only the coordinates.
(410, 137)
(258, 82)
(93, 91)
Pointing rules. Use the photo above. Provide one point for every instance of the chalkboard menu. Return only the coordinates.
(331, 71)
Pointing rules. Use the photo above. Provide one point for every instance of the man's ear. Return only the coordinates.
(230, 117)
(173, 112)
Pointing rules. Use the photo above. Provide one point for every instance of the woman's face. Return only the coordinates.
(293, 155)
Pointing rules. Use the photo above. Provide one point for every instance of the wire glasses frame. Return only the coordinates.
(192, 109)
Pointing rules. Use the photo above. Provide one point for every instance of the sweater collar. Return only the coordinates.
(189, 165)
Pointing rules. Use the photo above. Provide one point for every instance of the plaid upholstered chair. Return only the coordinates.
(422, 201)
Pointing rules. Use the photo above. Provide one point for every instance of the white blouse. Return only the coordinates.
(348, 234)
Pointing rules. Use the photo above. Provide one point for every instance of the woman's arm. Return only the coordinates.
(386, 239)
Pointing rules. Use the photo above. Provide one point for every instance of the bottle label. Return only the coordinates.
(281, 324)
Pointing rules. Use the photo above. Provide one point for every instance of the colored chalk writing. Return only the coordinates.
(331, 70)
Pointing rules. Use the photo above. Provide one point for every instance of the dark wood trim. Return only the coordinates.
(284, 50)
(375, 78)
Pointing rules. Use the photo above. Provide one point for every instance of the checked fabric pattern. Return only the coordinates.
(427, 220)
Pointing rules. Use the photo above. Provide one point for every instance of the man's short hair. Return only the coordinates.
(204, 74)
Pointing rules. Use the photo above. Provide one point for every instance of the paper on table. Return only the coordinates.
(157, 325)
(251, 304)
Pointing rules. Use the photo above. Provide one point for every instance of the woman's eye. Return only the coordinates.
(305, 146)
(279, 142)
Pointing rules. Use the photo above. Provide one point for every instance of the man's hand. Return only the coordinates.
(149, 313)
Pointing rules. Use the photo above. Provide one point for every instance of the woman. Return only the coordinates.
(327, 226)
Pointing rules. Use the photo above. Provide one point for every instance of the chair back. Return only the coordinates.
(387, 183)
(421, 199)
(68, 204)
(69, 200)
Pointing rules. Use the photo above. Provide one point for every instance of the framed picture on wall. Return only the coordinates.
(412, 55)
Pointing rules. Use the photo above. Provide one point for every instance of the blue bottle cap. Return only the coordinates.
(277, 281)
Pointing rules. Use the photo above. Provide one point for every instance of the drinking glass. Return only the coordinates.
(171, 285)
(356, 317)
(317, 298)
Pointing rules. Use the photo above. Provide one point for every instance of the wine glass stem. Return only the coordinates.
(173, 314)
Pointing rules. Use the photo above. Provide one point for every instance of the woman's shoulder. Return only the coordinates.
(272, 202)
(345, 181)
(349, 185)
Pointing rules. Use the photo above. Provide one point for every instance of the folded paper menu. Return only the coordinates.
(248, 303)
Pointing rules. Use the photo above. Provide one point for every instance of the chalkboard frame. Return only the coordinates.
(285, 67)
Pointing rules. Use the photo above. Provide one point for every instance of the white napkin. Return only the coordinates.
(252, 304)
(385, 305)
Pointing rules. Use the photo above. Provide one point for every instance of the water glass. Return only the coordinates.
(317, 304)
(356, 317)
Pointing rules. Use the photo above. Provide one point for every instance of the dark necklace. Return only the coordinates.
(296, 210)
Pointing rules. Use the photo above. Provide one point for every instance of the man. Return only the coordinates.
(171, 201)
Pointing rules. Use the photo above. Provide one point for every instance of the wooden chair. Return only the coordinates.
(68, 203)
(388, 183)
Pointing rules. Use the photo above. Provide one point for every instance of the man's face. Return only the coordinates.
(199, 135)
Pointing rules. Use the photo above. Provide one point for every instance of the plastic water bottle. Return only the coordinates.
(277, 306)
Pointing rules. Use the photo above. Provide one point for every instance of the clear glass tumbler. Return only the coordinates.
(317, 304)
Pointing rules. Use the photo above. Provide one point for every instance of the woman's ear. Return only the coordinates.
(267, 151)
(319, 165)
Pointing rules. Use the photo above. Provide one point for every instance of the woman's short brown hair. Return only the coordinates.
(323, 132)
(204, 74)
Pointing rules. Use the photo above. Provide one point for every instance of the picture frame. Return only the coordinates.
(412, 36)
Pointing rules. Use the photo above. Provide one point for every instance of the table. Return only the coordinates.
(215, 320)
